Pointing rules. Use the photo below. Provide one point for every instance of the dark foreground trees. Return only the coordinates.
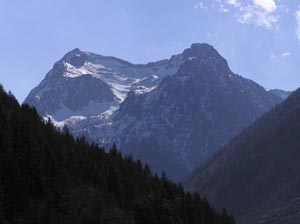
(49, 177)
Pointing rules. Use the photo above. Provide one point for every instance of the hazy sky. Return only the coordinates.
(259, 38)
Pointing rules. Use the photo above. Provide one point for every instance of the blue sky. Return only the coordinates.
(259, 38)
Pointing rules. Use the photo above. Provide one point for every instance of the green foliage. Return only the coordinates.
(49, 177)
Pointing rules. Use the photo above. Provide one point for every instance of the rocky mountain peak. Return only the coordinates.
(202, 47)
(204, 54)
(201, 51)
(77, 57)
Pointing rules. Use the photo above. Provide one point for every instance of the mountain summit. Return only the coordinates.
(172, 114)
(203, 52)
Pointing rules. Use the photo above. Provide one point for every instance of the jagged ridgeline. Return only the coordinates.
(49, 177)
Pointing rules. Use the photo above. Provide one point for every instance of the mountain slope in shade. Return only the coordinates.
(256, 176)
(191, 114)
(172, 114)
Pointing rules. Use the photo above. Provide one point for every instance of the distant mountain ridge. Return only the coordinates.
(179, 111)
(281, 93)
(256, 176)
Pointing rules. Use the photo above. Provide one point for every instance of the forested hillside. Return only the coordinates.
(49, 177)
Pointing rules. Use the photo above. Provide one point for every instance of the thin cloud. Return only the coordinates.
(200, 6)
(267, 5)
(261, 13)
(222, 8)
(285, 54)
(233, 2)
(256, 15)
(298, 23)
(282, 55)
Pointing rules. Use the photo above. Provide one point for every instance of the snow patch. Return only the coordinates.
(144, 89)
(87, 69)
(92, 108)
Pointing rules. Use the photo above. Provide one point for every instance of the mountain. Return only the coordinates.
(256, 175)
(175, 121)
(281, 93)
(85, 84)
(49, 177)
(190, 114)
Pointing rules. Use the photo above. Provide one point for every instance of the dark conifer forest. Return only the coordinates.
(47, 176)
